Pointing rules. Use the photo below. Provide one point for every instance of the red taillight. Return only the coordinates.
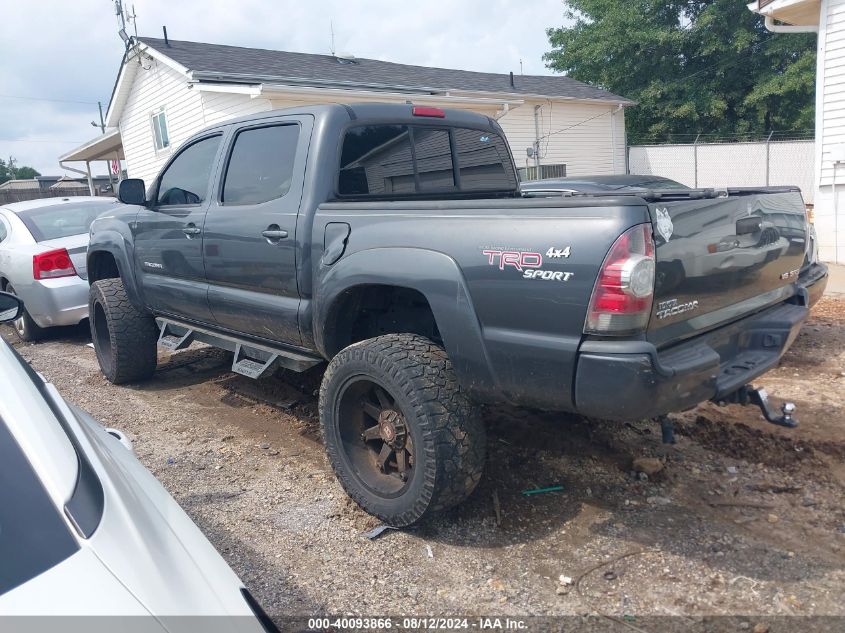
(52, 265)
(622, 296)
(427, 111)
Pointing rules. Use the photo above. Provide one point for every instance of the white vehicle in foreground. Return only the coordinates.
(86, 530)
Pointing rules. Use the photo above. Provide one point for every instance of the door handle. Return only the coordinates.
(274, 233)
(191, 230)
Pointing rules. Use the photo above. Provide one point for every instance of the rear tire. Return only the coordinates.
(400, 386)
(124, 337)
(26, 329)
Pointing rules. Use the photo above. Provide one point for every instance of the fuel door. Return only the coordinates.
(335, 239)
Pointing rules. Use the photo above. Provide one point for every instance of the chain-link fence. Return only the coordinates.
(715, 164)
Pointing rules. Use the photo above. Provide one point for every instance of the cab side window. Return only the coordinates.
(261, 165)
(3, 232)
(185, 181)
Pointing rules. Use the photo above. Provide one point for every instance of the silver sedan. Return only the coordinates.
(43, 246)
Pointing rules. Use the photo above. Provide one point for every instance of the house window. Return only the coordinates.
(160, 135)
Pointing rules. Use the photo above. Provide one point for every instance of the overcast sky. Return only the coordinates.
(70, 51)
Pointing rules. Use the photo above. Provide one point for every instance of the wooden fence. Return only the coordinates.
(7, 196)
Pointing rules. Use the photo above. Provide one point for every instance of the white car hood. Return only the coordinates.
(147, 541)
(78, 586)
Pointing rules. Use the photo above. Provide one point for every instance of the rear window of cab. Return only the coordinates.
(411, 160)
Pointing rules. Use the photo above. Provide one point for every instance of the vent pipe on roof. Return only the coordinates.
(512, 79)
(166, 41)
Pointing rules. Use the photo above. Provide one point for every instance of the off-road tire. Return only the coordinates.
(124, 337)
(450, 458)
(26, 329)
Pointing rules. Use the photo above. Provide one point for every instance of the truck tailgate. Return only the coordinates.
(722, 258)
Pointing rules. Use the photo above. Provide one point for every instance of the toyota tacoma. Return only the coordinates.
(393, 243)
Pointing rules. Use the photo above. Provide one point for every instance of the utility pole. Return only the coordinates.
(102, 126)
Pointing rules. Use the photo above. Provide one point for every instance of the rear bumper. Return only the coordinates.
(813, 281)
(55, 302)
(628, 380)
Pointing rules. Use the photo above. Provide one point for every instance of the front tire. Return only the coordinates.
(401, 436)
(27, 329)
(124, 337)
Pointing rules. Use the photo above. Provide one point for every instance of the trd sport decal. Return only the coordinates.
(529, 263)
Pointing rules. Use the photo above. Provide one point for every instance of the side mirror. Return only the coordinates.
(132, 191)
(10, 307)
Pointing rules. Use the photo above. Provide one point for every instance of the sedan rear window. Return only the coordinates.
(33, 535)
(61, 220)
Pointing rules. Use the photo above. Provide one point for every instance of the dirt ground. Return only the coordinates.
(745, 518)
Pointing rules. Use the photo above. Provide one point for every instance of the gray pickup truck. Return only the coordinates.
(394, 243)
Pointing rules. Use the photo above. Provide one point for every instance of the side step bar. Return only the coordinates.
(251, 359)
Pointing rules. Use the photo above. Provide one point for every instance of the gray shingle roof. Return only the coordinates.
(242, 64)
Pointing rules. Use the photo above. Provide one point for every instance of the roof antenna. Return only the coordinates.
(121, 24)
(331, 26)
(166, 41)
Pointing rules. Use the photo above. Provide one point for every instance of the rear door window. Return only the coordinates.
(33, 535)
(261, 165)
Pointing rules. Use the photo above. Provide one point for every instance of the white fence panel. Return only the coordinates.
(730, 164)
(670, 161)
(794, 164)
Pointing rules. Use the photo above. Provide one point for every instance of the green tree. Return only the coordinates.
(10, 170)
(27, 173)
(707, 66)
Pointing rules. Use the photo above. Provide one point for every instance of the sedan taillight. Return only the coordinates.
(52, 265)
(622, 296)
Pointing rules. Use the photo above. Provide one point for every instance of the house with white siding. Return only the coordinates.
(167, 90)
(827, 18)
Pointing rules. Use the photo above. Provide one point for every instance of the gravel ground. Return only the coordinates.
(741, 517)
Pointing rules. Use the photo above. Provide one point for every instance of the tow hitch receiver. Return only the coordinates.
(748, 395)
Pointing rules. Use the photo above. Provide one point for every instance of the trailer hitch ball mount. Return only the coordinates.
(748, 395)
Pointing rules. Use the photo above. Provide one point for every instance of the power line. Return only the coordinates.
(46, 99)
(577, 124)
